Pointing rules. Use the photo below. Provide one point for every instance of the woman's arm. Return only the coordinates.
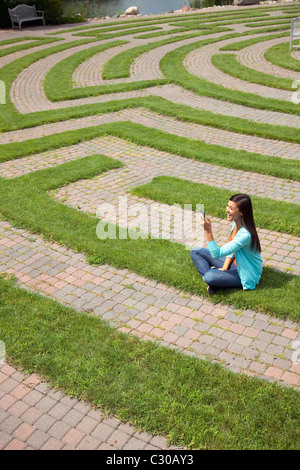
(241, 239)
(229, 259)
(227, 263)
(208, 230)
(210, 238)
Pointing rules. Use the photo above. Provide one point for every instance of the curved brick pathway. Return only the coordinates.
(296, 54)
(206, 134)
(253, 57)
(198, 63)
(34, 416)
(283, 253)
(245, 341)
(187, 97)
(27, 93)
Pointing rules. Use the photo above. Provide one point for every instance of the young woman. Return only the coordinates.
(238, 263)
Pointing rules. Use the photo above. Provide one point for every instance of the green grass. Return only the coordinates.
(269, 214)
(100, 36)
(194, 403)
(35, 42)
(212, 24)
(196, 150)
(229, 64)
(280, 55)
(238, 46)
(119, 65)
(61, 74)
(199, 28)
(30, 207)
(173, 69)
(230, 123)
(268, 22)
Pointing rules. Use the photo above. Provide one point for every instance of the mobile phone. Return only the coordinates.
(203, 213)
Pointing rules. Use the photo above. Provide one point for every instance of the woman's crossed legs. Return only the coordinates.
(205, 263)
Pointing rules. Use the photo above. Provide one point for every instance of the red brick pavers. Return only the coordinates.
(179, 95)
(209, 135)
(199, 63)
(253, 57)
(34, 416)
(27, 92)
(141, 165)
(243, 340)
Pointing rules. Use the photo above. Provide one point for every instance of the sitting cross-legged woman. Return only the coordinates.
(238, 263)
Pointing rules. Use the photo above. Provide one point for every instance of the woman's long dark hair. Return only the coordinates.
(244, 204)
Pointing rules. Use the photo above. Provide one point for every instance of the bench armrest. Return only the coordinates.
(14, 16)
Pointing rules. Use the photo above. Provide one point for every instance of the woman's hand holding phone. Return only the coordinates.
(207, 227)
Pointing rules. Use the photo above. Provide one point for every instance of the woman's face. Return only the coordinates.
(233, 212)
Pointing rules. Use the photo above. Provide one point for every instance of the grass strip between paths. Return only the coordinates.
(280, 55)
(35, 42)
(172, 67)
(59, 85)
(193, 402)
(237, 46)
(29, 206)
(229, 64)
(119, 65)
(171, 19)
(269, 214)
(153, 138)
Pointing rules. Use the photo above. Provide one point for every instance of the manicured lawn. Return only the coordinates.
(153, 138)
(269, 214)
(173, 69)
(279, 55)
(231, 66)
(194, 403)
(30, 206)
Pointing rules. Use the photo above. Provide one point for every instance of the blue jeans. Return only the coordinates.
(204, 262)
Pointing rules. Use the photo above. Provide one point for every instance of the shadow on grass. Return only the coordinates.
(25, 203)
(271, 295)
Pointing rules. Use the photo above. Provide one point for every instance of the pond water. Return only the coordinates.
(98, 8)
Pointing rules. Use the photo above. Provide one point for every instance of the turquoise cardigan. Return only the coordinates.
(249, 262)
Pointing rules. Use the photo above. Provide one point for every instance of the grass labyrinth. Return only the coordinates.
(178, 109)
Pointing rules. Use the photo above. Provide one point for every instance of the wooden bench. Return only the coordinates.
(295, 31)
(22, 13)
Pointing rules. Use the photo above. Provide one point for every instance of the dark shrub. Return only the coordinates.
(53, 10)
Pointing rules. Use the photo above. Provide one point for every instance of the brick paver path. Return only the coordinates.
(34, 416)
(253, 57)
(199, 64)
